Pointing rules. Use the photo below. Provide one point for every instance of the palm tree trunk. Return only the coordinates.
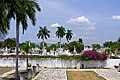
(27, 57)
(43, 42)
(60, 42)
(17, 47)
(26, 64)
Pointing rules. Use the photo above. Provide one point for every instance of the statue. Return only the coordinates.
(74, 50)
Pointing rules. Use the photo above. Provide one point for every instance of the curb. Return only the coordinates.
(66, 75)
(100, 74)
(37, 75)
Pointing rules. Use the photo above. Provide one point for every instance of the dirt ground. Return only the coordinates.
(5, 69)
(83, 75)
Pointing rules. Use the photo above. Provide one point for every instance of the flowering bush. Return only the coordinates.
(93, 55)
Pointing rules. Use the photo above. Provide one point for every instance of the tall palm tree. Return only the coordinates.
(21, 10)
(43, 34)
(60, 33)
(69, 35)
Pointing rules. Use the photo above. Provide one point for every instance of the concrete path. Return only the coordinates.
(109, 74)
(51, 75)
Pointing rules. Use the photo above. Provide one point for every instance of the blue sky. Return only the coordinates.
(95, 21)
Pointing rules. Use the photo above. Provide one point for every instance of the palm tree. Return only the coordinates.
(80, 41)
(60, 33)
(43, 34)
(69, 35)
(21, 10)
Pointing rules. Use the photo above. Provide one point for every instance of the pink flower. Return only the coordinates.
(93, 55)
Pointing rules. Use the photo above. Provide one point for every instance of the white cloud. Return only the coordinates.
(78, 20)
(82, 23)
(116, 17)
(89, 37)
(53, 39)
(55, 25)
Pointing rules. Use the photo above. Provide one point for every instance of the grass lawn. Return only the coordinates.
(83, 75)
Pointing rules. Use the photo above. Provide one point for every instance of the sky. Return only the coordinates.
(95, 21)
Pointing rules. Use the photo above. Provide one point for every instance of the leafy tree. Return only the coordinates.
(53, 46)
(115, 47)
(69, 35)
(24, 47)
(43, 34)
(95, 46)
(32, 45)
(60, 33)
(78, 46)
(107, 44)
(48, 49)
(9, 42)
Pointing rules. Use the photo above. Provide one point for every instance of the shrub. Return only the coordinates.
(93, 55)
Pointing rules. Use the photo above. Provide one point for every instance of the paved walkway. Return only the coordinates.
(60, 74)
(109, 74)
(51, 75)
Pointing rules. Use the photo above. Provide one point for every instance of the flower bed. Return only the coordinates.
(93, 59)
(93, 55)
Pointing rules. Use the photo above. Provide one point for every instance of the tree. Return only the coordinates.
(9, 42)
(78, 46)
(80, 40)
(43, 34)
(107, 44)
(21, 10)
(60, 33)
(95, 46)
(41, 45)
(69, 35)
(53, 46)
(32, 45)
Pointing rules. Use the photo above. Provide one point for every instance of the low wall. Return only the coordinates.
(93, 64)
(54, 63)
